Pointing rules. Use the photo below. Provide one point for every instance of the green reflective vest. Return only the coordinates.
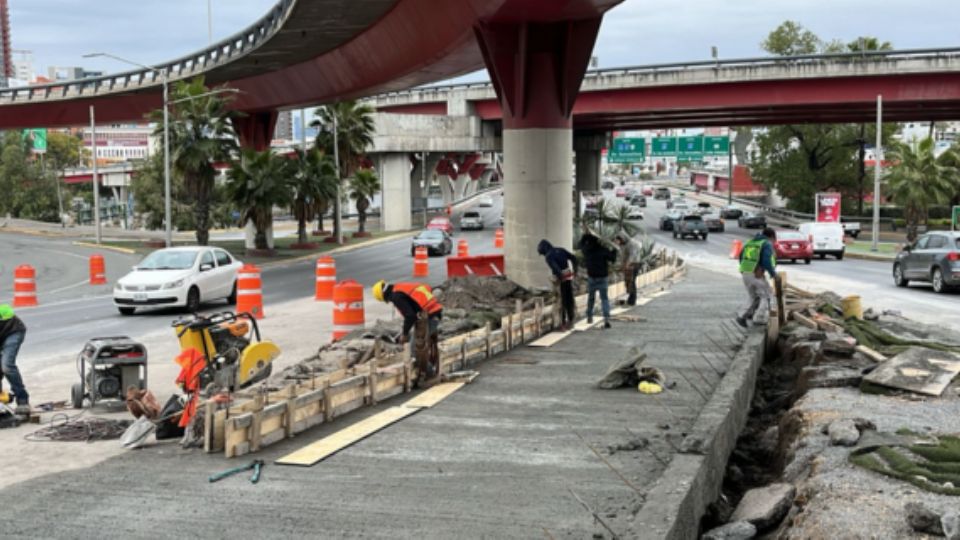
(751, 255)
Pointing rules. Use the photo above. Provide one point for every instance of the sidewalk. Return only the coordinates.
(524, 451)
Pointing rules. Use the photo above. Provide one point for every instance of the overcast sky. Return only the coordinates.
(635, 33)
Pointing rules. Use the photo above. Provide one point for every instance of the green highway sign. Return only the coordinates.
(689, 146)
(627, 150)
(663, 146)
(716, 145)
(694, 157)
(38, 136)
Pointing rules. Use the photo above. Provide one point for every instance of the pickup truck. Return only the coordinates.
(690, 225)
(851, 228)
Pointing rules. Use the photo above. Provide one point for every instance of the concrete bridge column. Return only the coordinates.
(537, 70)
(419, 194)
(588, 158)
(395, 181)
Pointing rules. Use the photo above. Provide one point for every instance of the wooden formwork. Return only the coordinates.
(256, 419)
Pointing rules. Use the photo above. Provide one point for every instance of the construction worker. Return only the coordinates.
(756, 258)
(12, 334)
(563, 266)
(597, 257)
(631, 253)
(416, 303)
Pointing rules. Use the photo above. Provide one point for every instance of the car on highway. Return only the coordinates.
(662, 193)
(751, 220)
(690, 225)
(471, 220)
(634, 213)
(440, 223)
(681, 206)
(485, 201)
(436, 241)
(731, 212)
(631, 193)
(704, 207)
(793, 246)
(714, 222)
(647, 191)
(827, 238)
(667, 220)
(933, 258)
(178, 277)
(621, 192)
(638, 200)
(607, 184)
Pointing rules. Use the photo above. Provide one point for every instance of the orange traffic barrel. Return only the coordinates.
(249, 291)
(735, 249)
(24, 286)
(98, 271)
(463, 249)
(347, 308)
(326, 278)
(498, 239)
(421, 263)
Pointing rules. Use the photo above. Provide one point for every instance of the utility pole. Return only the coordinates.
(730, 138)
(96, 181)
(877, 157)
(210, 21)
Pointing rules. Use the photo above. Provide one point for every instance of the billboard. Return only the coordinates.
(37, 138)
(828, 208)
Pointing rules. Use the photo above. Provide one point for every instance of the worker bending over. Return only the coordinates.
(416, 303)
(12, 334)
(756, 258)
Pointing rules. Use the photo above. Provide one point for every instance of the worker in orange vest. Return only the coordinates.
(417, 305)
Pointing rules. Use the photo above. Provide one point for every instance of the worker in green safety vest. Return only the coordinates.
(756, 258)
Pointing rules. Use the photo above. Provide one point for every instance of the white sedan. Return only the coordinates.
(178, 277)
(634, 213)
(485, 201)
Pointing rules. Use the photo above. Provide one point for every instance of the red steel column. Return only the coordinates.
(536, 69)
(255, 129)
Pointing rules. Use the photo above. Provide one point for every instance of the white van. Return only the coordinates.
(827, 238)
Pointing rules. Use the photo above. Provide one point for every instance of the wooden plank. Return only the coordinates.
(255, 424)
(550, 339)
(870, 353)
(209, 419)
(434, 395)
(779, 284)
(804, 320)
(318, 451)
(830, 326)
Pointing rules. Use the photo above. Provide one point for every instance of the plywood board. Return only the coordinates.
(659, 294)
(917, 369)
(318, 451)
(550, 339)
(433, 396)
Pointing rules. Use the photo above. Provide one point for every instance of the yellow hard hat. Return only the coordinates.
(378, 288)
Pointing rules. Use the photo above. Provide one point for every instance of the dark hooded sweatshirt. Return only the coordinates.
(557, 258)
(596, 256)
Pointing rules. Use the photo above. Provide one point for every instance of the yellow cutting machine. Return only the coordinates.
(235, 355)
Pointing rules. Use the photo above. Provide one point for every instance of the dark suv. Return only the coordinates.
(690, 225)
(935, 258)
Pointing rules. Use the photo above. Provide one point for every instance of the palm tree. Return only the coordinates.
(354, 135)
(919, 180)
(257, 183)
(201, 134)
(363, 186)
(314, 184)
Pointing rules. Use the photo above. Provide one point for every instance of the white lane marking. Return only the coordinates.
(68, 287)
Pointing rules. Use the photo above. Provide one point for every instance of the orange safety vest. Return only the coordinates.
(421, 294)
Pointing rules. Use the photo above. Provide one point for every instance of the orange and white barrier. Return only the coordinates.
(735, 249)
(421, 262)
(498, 239)
(249, 291)
(463, 249)
(24, 286)
(326, 278)
(98, 270)
(348, 312)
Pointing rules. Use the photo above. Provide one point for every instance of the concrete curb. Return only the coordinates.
(109, 248)
(869, 256)
(693, 479)
(343, 249)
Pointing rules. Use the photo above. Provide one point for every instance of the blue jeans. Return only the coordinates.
(597, 285)
(8, 363)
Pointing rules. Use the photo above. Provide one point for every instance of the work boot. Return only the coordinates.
(23, 409)
(606, 325)
(741, 321)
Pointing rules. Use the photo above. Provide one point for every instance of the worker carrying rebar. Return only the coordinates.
(756, 258)
(418, 306)
(12, 334)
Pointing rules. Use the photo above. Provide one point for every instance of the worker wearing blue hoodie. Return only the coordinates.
(563, 267)
(757, 257)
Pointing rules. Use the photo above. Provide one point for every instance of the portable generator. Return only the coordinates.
(107, 367)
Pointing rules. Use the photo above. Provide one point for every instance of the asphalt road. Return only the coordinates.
(59, 324)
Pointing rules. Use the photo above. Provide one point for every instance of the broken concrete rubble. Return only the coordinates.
(738, 530)
(765, 507)
(843, 433)
(923, 519)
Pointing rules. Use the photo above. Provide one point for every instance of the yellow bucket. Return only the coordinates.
(851, 307)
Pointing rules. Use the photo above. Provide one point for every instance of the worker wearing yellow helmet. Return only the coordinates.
(12, 334)
(413, 299)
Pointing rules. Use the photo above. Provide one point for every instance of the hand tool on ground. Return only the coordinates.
(254, 465)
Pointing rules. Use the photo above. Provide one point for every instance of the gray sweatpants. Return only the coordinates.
(758, 291)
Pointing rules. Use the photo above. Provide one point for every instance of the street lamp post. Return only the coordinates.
(731, 136)
(96, 181)
(877, 157)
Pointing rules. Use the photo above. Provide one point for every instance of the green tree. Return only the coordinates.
(257, 182)
(29, 193)
(918, 180)
(363, 186)
(64, 151)
(201, 134)
(314, 185)
(355, 130)
(791, 39)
